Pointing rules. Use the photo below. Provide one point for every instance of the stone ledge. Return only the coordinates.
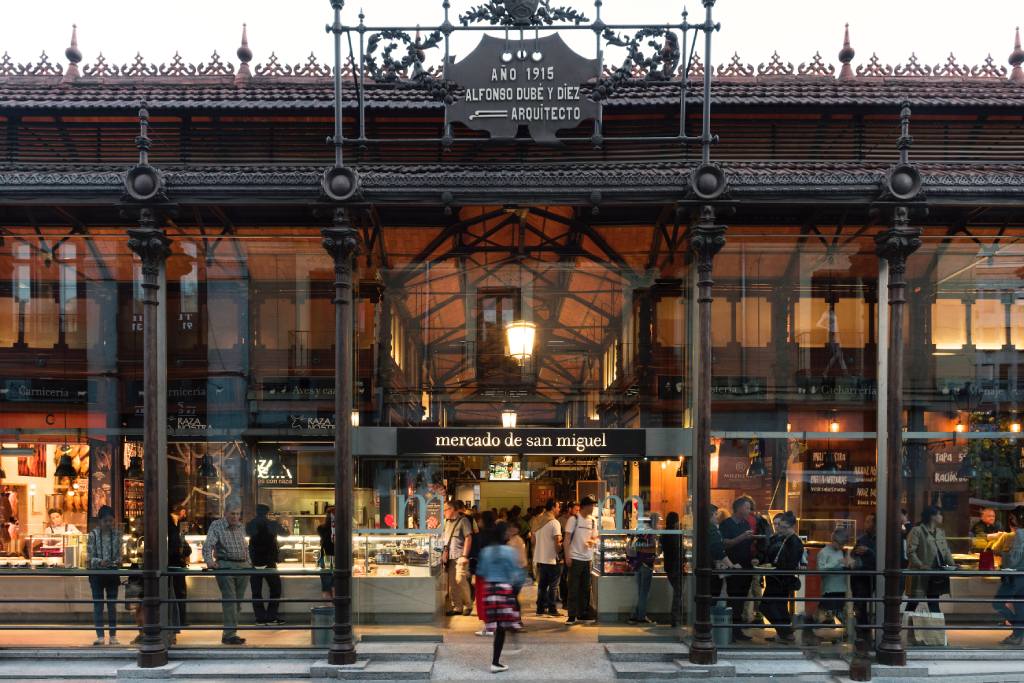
(136, 673)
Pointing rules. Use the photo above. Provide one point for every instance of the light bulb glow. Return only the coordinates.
(960, 427)
(509, 418)
(520, 336)
(355, 418)
(1015, 427)
(833, 425)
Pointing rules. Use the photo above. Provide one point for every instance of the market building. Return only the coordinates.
(561, 285)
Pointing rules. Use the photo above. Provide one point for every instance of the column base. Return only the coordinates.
(342, 656)
(891, 654)
(151, 659)
(703, 652)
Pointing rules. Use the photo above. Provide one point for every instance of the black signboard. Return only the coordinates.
(738, 387)
(43, 390)
(512, 83)
(578, 442)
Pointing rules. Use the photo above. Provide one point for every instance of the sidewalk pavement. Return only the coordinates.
(544, 661)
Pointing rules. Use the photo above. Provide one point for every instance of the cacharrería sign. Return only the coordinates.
(534, 83)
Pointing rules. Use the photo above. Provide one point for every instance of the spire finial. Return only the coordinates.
(846, 56)
(74, 56)
(244, 56)
(1016, 59)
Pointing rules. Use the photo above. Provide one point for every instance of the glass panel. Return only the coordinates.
(963, 393)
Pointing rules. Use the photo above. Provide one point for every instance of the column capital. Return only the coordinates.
(150, 243)
(707, 238)
(341, 240)
(896, 243)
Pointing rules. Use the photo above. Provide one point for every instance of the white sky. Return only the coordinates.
(293, 28)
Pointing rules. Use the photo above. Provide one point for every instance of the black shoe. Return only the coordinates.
(277, 622)
(468, 612)
(571, 621)
(554, 613)
(740, 636)
(233, 640)
(452, 613)
(262, 622)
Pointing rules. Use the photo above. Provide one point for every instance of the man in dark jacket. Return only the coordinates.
(178, 552)
(862, 587)
(263, 553)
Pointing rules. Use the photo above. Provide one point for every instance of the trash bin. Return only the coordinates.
(721, 624)
(322, 622)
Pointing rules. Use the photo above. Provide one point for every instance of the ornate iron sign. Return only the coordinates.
(532, 83)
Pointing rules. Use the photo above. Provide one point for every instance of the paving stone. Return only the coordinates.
(159, 673)
(650, 652)
(397, 651)
(240, 668)
(645, 671)
(388, 671)
(721, 670)
(321, 669)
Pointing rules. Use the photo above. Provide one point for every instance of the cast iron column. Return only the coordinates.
(706, 240)
(342, 243)
(153, 247)
(895, 245)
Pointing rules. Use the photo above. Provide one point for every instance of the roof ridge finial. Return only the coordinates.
(74, 56)
(244, 56)
(1016, 59)
(846, 56)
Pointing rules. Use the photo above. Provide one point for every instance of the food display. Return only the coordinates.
(50, 551)
(396, 555)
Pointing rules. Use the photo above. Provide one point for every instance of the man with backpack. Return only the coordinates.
(580, 541)
(263, 552)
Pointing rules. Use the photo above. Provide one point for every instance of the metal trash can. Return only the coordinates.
(721, 624)
(322, 623)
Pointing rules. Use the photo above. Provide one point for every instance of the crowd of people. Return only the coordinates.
(489, 555)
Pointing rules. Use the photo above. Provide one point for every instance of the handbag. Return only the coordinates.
(921, 619)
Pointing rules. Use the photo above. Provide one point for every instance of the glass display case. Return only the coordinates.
(65, 551)
(613, 559)
(381, 555)
(394, 555)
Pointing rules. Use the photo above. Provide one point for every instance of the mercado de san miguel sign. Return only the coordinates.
(578, 442)
(534, 83)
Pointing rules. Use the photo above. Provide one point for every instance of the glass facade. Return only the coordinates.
(509, 320)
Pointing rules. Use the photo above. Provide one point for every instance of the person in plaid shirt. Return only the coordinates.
(226, 549)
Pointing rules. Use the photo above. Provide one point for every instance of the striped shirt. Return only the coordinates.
(104, 546)
(225, 543)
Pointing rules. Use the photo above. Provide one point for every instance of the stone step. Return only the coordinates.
(366, 670)
(250, 670)
(636, 638)
(402, 638)
(397, 651)
(42, 669)
(645, 671)
(645, 652)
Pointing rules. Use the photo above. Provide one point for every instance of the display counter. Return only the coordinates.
(614, 584)
(398, 579)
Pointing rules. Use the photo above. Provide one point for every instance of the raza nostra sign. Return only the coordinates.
(512, 83)
(526, 441)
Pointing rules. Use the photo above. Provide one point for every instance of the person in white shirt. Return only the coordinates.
(580, 540)
(547, 540)
(57, 527)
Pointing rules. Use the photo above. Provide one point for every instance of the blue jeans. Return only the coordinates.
(104, 589)
(643, 590)
(547, 582)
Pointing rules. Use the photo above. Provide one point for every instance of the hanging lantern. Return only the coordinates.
(134, 468)
(65, 468)
(509, 418)
(520, 337)
(206, 468)
(355, 418)
(833, 424)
